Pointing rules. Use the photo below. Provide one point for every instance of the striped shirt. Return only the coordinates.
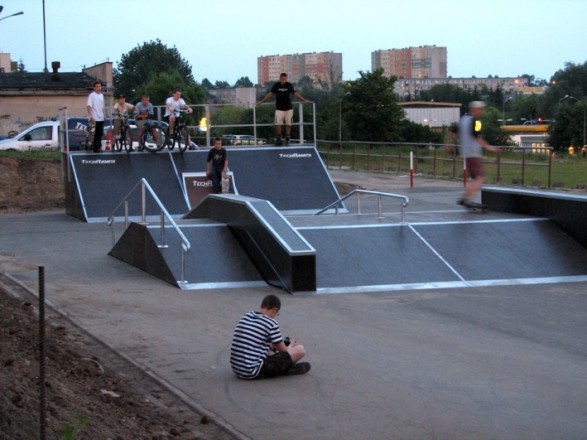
(252, 337)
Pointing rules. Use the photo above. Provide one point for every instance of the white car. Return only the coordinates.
(44, 136)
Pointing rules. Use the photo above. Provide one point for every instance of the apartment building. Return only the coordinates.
(412, 86)
(323, 68)
(411, 62)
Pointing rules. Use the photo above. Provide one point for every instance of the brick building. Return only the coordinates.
(323, 68)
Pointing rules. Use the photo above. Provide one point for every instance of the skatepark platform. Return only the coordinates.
(267, 232)
(253, 243)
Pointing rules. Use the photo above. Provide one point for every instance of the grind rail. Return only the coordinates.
(164, 214)
(380, 195)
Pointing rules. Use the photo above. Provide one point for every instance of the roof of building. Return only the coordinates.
(428, 104)
(45, 81)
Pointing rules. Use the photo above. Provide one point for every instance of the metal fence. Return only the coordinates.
(512, 165)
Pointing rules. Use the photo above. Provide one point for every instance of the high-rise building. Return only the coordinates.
(323, 68)
(411, 62)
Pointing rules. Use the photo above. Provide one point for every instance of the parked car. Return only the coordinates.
(242, 139)
(45, 136)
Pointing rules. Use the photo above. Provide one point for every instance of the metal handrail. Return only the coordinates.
(164, 214)
(380, 194)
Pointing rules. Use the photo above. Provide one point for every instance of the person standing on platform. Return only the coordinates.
(216, 164)
(255, 336)
(471, 145)
(95, 108)
(283, 106)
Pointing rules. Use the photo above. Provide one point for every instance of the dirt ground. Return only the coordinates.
(91, 392)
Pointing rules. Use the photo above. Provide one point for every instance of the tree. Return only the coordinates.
(569, 128)
(492, 131)
(565, 101)
(371, 110)
(243, 81)
(221, 85)
(161, 86)
(138, 66)
(207, 84)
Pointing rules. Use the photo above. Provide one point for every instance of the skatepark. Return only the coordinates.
(440, 324)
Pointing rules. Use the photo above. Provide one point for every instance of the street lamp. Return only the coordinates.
(509, 98)
(12, 15)
(584, 114)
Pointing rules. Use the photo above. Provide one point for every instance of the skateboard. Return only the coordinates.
(473, 206)
(225, 182)
(90, 136)
(479, 209)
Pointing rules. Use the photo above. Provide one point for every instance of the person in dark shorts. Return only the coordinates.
(471, 144)
(283, 106)
(255, 337)
(216, 164)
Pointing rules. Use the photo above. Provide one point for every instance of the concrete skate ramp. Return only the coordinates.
(216, 258)
(293, 179)
(99, 182)
(280, 253)
(444, 255)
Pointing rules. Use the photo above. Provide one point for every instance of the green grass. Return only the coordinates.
(40, 155)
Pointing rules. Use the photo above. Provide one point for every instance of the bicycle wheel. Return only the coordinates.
(148, 142)
(182, 139)
(127, 139)
(116, 140)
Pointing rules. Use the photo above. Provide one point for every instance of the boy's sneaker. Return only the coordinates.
(278, 141)
(471, 204)
(467, 203)
(287, 140)
(299, 368)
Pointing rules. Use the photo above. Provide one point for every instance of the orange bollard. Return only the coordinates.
(109, 140)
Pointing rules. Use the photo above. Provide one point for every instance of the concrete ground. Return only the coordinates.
(496, 362)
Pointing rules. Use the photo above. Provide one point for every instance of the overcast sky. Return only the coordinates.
(221, 39)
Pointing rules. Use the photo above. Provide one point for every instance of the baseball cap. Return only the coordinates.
(477, 104)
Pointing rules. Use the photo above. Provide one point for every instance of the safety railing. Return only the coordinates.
(164, 215)
(208, 111)
(520, 165)
(380, 195)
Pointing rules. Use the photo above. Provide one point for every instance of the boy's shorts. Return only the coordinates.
(283, 117)
(474, 167)
(276, 365)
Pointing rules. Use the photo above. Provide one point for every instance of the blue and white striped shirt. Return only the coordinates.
(253, 335)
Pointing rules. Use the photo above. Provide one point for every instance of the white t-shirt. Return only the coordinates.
(175, 105)
(96, 102)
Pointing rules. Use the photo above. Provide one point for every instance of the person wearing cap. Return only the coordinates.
(472, 144)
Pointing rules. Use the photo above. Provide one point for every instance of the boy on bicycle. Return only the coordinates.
(119, 111)
(174, 104)
(144, 112)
